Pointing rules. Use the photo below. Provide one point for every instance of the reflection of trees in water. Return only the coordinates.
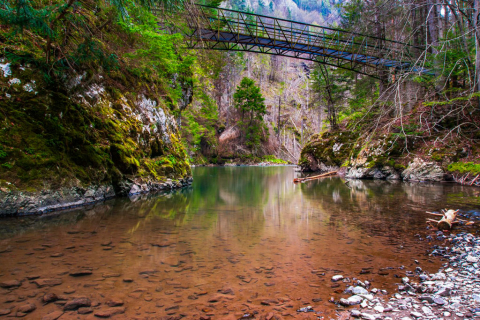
(388, 208)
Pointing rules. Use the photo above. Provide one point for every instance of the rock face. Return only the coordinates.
(419, 170)
(84, 140)
(385, 173)
(377, 160)
(326, 152)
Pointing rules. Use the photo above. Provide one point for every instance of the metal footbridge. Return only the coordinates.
(231, 30)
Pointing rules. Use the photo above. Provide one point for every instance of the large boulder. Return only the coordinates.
(419, 170)
(327, 151)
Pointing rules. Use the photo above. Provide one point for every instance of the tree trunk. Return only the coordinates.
(447, 221)
(476, 22)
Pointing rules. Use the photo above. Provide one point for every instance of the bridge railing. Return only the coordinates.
(231, 30)
(297, 35)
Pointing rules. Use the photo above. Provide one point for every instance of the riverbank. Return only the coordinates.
(390, 157)
(18, 203)
(451, 293)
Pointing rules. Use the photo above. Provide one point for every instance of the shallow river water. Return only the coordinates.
(239, 240)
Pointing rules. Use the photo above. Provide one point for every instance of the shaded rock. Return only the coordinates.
(77, 303)
(4, 312)
(47, 282)
(10, 284)
(111, 275)
(268, 302)
(53, 316)
(114, 302)
(49, 297)
(426, 298)
(226, 291)
(107, 313)
(216, 298)
(81, 272)
(84, 310)
(148, 272)
(27, 308)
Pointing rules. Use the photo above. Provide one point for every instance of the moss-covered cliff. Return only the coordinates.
(86, 133)
(88, 104)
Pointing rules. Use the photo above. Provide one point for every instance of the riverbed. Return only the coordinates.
(240, 240)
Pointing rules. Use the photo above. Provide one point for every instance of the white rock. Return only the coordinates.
(5, 67)
(472, 259)
(427, 311)
(367, 316)
(359, 290)
(337, 277)
(379, 309)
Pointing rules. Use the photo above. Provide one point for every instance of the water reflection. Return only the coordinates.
(249, 230)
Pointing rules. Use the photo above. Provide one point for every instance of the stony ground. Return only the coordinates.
(451, 293)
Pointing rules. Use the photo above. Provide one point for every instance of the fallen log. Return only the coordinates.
(448, 219)
(331, 173)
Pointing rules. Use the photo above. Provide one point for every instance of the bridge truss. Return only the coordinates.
(231, 30)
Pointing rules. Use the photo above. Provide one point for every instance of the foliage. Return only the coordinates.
(273, 159)
(463, 167)
(250, 103)
(330, 85)
(72, 33)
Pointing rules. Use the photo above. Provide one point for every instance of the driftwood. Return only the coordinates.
(449, 218)
(331, 173)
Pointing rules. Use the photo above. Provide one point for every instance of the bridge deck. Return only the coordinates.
(230, 30)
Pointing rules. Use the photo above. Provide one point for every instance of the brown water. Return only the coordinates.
(240, 240)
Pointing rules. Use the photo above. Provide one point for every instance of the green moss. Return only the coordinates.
(273, 159)
(464, 167)
(330, 148)
(49, 140)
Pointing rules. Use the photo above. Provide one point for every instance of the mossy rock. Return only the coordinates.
(327, 150)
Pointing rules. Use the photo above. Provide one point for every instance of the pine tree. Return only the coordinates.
(249, 101)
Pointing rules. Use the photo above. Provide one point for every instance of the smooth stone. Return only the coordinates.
(4, 312)
(427, 311)
(416, 314)
(439, 301)
(53, 315)
(47, 282)
(353, 300)
(379, 309)
(107, 313)
(77, 303)
(114, 302)
(49, 297)
(355, 313)
(84, 310)
(10, 284)
(429, 299)
(359, 290)
(337, 277)
(27, 308)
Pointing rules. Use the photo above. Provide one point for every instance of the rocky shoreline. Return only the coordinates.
(451, 293)
(261, 164)
(18, 203)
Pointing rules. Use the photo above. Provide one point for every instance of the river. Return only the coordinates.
(239, 240)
